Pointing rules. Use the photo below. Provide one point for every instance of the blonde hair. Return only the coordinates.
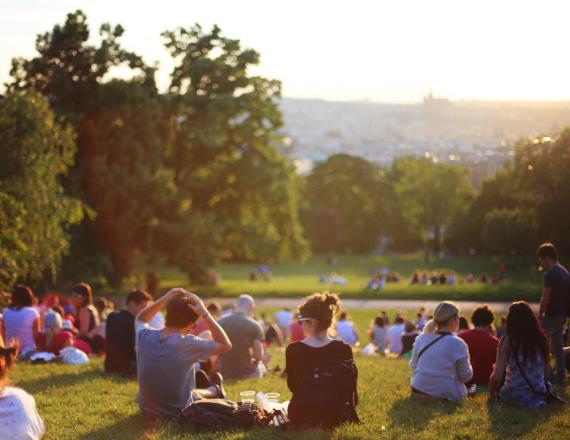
(444, 312)
(430, 326)
(52, 324)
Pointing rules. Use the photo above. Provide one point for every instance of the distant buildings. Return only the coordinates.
(479, 135)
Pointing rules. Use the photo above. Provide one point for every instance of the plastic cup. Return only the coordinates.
(273, 397)
(247, 396)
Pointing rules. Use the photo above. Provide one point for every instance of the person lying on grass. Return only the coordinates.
(440, 359)
(166, 358)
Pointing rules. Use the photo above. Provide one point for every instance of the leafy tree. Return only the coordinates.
(429, 196)
(347, 199)
(117, 167)
(35, 213)
(235, 187)
(124, 178)
(68, 70)
(509, 230)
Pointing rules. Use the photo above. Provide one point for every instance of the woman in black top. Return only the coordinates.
(320, 370)
(87, 316)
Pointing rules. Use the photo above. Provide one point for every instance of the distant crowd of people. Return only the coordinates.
(450, 278)
(182, 350)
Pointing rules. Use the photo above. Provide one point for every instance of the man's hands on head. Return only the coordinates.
(196, 304)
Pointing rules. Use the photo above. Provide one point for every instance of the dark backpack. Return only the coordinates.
(220, 414)
(327, 396)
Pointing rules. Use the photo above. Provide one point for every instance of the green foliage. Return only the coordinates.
(346, 199)
(35, 213)
(429, 195)
(524, 204)
(68, 70)
(123, 174)
(509, 230)
(193, 175)
(234, 185)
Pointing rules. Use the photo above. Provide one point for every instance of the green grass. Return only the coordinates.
(294, 279)
(83, 403)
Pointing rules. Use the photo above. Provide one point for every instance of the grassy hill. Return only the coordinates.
(80, 402)
(522, 280)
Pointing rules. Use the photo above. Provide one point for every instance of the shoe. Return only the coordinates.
(218, 381)
(202, 380)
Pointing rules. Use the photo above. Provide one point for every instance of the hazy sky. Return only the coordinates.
(390, 51)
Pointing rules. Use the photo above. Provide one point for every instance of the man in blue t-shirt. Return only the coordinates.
(166, 358)
(553, 305)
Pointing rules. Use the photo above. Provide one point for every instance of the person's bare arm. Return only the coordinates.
(84, 318)
(500, 366)
(221, 340)
(36, 328)
(146, 314)
(544, 301)
(257, 350)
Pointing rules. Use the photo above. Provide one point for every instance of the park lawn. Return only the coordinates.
(294, 279)
(80, 402)
(83, 403)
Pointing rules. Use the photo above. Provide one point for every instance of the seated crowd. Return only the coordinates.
(181, 350)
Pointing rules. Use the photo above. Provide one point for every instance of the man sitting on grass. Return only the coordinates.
(248, 356)
(120, 335)
(482, 345)
(166, 358)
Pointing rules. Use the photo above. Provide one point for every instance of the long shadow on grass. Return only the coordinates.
(34, 386)
(414, 415)
(513, 421)
(132, 427)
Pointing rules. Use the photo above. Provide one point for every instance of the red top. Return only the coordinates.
(59, 341)
(296, 332)
(482, 353)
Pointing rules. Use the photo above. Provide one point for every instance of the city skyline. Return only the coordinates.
(376, 51)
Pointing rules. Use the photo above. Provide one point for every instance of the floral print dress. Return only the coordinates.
(516, 389)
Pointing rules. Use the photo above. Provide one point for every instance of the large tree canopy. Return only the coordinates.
(346, 201)
(429, 195)
(35, 213)
(227, 166)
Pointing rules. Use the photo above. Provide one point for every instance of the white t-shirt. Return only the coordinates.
(157, 321)
(18, 324)
(284, 318)
(346, 332)
(19, 418)
(395, 338)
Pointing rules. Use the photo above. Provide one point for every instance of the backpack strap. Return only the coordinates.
(441, 336)
(526, 379)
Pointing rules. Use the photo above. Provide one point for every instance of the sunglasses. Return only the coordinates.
(301, 319)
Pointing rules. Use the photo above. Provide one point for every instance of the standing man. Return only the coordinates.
(552, 312)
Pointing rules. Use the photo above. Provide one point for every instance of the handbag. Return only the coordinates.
(550, 396)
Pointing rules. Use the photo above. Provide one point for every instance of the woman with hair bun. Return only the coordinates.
(440, 359)
(320, 370)
(19, 418)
